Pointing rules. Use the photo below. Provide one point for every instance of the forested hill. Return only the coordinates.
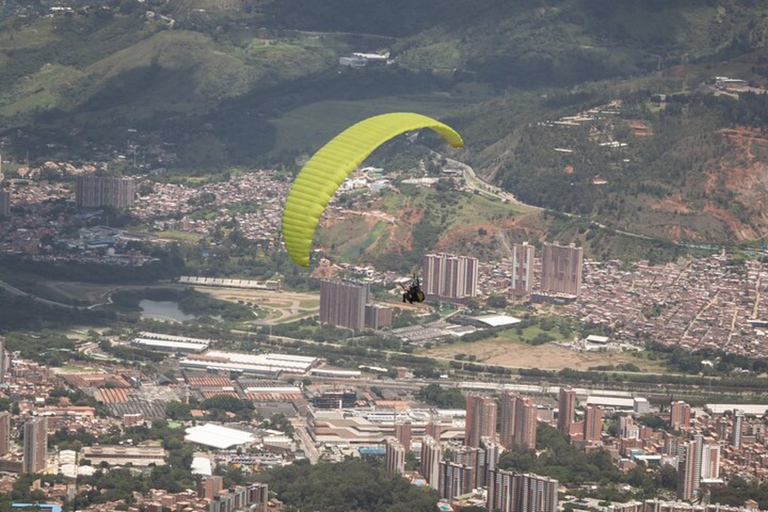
(249, 82)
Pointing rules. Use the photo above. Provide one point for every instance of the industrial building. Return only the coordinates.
(269, 365)
(122, 455)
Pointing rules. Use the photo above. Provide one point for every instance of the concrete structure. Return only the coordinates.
(253, 364)
(566, 410)
(210, 486)
(627, 428)
(403, 434)
(688, 470)
(455, 479)
(394, 457)
(97, 191)
(5, 433)
(343, 303)
(450, 277)
(377, 316)
(254, 498)
(593, 424)
(431, 455)
(511, 492)
(561, 268)
(526, 422)
(480, 419)
(177, 347)
(4, 363)
(122, 455)
(522, 268)
(35, 445)
(680, 415)
(710, 461)
(5, 203)
(738, 428)
(507, 427)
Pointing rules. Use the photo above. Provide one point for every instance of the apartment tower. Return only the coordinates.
(5, 203)
(98, 191)
(342, 303)
(561, 268)
(688, 470)
(35, 445)
(450, 277)
(512, 492)
(566, 410)
(431, 455)
(526, 423)
(5, 433)
(593, 424)
(680, 416)
(522, 268)
(394, 457)
(480, 419)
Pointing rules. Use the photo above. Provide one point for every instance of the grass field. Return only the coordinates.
(512, 353)
(311, 126)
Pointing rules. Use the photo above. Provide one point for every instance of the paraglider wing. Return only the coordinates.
(329, 167)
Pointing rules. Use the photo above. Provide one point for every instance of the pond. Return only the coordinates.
(165, 310)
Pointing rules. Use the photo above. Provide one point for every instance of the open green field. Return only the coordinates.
(510, 351)
(311, 126)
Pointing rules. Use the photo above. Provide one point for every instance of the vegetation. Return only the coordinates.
(352, 484)
(435, 395)
(738, 491)
(190, 302)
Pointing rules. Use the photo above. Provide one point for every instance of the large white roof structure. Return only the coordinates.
(217, 436)
(497, 320)
(747, 409)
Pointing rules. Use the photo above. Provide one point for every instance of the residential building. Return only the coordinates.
(5, 203)
(434, 428)
(210, 486)
(377, 316)
(450, 277)
(593, 424)
(487, 460)
(394, 458)
(507, 430)
(710, 461)
(688, 470)
(431, 455)
(738, 428)
(561, 268)
(454, 480)
(35, 445)
(122, 455)
(98, 191)
(526, 423)
(342, 303)
(522, 268)
(511, 492)
(566, 410)
(403, 434)
(5, 433)
(480, 419)
(627, 428)
(3, 360)
(680, 416)
(254, 498)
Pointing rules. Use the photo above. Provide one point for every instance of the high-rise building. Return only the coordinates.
(526, 422)
(5, 203)
(377, 316)
(210, 486)
(3, 360)
(627, 428)
(431, 455)
(342, 303)
(403, 435)
(487, 459)
(561, 268)
(455, 479)
(254, 498)
(450, 277)
(566, 410)
(258, 497)
(434, 428)
(522, 268)
(507, 431)
(680, 416)
(480, 419)
(394, 457)
(97, 191)
(738, 428)
(470, 458)
(5, 433)
(710, 461)
(511, 492)
(593, 424)
(35, 445)
(688, 470)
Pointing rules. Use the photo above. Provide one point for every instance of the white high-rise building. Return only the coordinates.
(450, 277)
(431, 455)
(522, 268)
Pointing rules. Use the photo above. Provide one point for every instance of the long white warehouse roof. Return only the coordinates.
(217, 436)
(177, 345)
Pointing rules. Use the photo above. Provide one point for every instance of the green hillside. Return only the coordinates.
(257, 82)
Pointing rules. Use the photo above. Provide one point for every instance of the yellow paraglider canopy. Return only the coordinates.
(329, 167)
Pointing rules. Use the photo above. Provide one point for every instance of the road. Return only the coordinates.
(307, 445)
(15, 291)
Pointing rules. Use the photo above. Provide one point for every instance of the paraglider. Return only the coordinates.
(322, 175)
(413, 293)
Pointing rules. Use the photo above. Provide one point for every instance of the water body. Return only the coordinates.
(165, 310)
